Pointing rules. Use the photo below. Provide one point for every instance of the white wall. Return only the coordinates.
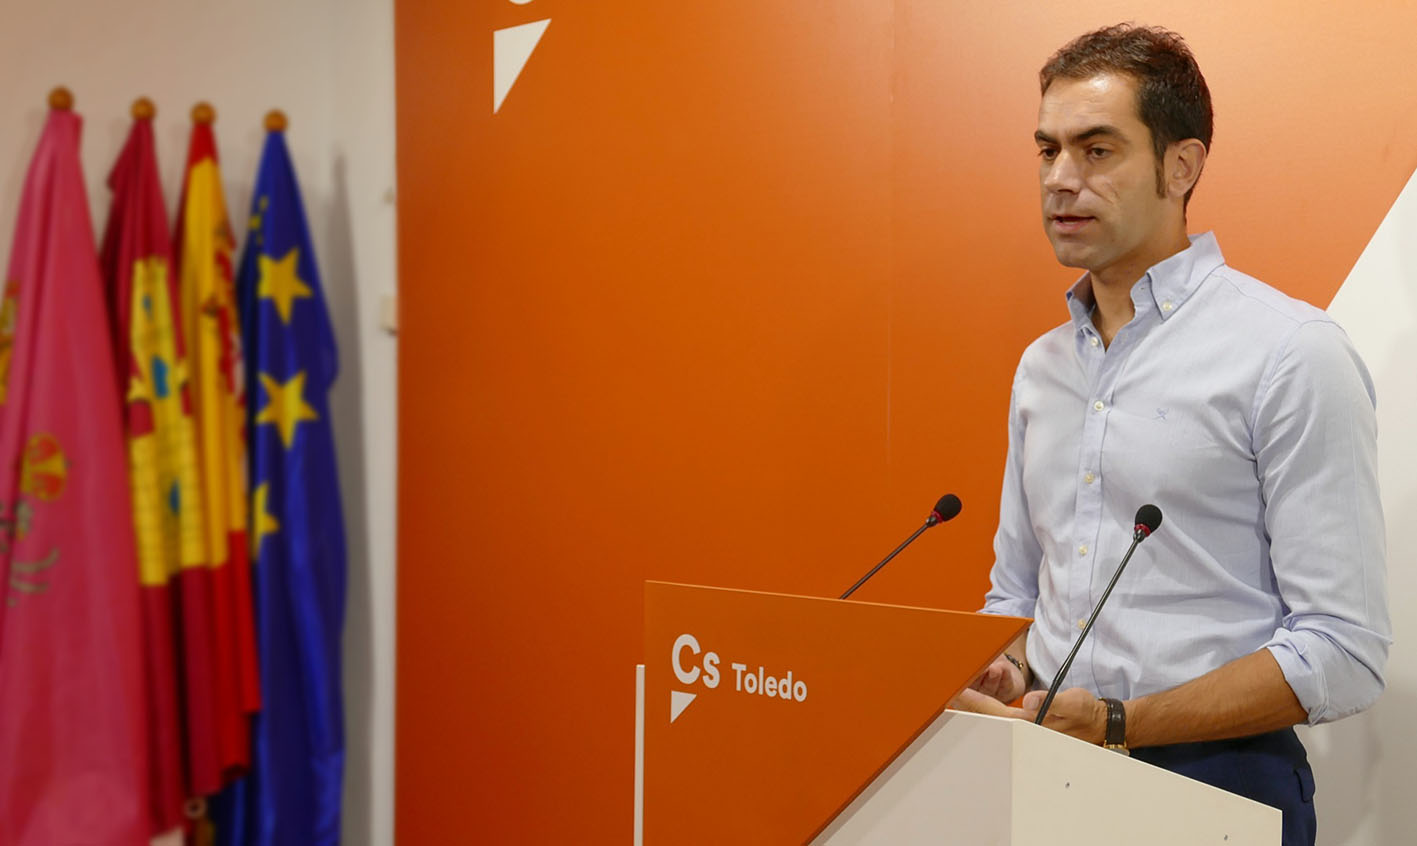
(329, 65)
(1363, 765)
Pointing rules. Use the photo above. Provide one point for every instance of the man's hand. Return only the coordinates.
(972, 700)
(1002, 680)
(1074, 711)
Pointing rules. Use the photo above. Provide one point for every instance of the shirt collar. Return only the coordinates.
(1165, 287)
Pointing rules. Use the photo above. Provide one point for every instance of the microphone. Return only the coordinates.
(947, 508)
(1148, 519)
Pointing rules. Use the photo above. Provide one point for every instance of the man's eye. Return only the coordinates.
(1048, 154)
(1098, 153)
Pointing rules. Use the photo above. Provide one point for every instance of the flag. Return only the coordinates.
(220, 677)
(73, 740)
(292, 796)
(152, 380)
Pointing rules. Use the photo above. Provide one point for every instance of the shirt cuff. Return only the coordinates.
(1009, 607)
(1305, 677)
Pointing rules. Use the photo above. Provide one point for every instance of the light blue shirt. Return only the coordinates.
(1248, 418)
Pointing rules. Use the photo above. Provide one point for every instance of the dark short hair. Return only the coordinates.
(1172, 98)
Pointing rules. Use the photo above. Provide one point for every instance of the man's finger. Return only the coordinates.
(973, 700)
(988, 683)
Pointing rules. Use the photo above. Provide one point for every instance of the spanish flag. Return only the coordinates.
(73, 718)
(162, 461)
(221, 684)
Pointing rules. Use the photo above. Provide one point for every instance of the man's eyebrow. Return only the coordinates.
(1103, 130)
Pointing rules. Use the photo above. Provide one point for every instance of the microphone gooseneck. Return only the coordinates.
(1148, 519)
(946, 509)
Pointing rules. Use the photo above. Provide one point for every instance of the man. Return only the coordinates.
(1245, 415)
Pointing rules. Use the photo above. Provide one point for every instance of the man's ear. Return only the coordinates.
(1184, 162)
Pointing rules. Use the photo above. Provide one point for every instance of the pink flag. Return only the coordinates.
(73, 743)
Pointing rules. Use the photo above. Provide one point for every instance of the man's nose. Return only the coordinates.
(1063, 174)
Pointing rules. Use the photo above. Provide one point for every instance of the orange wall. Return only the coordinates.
(729, 293)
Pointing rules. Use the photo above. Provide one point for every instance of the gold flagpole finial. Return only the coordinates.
(61, 99)
(203, 113)
(275, 121)
(143, 109)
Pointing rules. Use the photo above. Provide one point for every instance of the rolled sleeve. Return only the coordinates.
(1315, 435)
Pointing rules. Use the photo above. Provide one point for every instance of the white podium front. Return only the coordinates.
(977, 780)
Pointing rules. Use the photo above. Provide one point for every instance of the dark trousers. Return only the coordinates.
(1270, 768)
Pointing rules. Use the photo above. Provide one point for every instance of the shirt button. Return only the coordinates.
(1098, 406)
(1082, 624)
(1094, 341)
(1089, 478)
(1167, 306)
(1082, 550)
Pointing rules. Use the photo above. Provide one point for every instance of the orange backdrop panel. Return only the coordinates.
(729, 293)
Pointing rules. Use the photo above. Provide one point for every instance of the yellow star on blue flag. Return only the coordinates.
(285, 405)
(280, 282)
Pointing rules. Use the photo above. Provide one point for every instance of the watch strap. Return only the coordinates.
(1116, 735)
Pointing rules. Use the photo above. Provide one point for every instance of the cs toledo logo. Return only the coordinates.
(694, 667)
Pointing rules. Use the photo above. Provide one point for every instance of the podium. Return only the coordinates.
(777, 719)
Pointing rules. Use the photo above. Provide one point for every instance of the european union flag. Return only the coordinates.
(292, 795)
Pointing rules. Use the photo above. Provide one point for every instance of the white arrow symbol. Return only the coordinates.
(678, 701)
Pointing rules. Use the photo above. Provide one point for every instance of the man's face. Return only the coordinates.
(1098, 175)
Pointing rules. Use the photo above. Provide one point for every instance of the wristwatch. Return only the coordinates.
(1017, 663)
(1116, 736)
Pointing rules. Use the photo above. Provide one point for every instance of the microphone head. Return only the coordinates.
(947, 508)
(1148, 518)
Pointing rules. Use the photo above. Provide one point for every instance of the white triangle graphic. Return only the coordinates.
(678, 701)
(511, 47)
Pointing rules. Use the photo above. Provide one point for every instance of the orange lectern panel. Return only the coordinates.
(765, 713)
